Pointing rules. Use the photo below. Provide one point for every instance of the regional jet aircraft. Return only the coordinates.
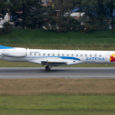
(51, 58)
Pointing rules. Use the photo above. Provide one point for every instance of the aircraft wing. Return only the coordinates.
(49, 61)
(55, 61)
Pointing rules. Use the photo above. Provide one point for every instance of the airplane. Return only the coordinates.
(51, 58)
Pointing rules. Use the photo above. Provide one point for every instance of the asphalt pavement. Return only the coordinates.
(60, 72)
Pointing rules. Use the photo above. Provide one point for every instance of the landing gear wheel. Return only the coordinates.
(47, 68)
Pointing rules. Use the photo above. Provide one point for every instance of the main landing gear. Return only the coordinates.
(48, 68)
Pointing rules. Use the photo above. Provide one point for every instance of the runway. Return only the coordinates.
(60, 72)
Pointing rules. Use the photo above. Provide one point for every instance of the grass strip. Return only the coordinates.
(58, 104)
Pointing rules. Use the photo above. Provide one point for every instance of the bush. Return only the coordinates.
(7, 28)
(95, 25)
(113, 23)
(74, 25)
(64, 24)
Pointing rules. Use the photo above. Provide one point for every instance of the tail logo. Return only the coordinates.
(112, 58)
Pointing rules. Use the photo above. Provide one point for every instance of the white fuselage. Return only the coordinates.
(57, 57)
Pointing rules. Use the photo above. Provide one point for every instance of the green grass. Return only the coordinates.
(57, 96)
(58, 104)
(68, 40)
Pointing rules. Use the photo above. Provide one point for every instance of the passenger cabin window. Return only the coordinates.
(81, 55)
(34, 53)
(30, 53)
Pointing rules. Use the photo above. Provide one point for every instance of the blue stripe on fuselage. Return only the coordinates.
(62, 57)
(72, 58)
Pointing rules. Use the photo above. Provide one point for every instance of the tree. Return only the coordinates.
(110, 5)
(33, 14)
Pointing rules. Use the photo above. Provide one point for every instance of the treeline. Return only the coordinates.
(99, 14)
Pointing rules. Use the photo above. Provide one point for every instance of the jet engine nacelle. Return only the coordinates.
(14, 52)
